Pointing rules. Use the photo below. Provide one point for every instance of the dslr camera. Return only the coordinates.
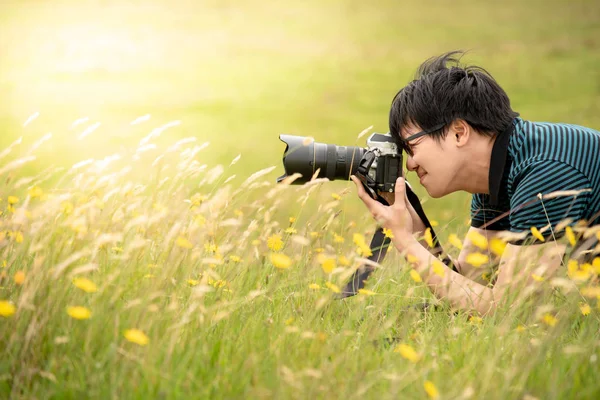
(377, 166)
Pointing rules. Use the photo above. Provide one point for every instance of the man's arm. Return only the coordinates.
(514, 271)
(469, 270)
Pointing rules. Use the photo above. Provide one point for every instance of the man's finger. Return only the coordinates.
(400, 191)
(362, 194)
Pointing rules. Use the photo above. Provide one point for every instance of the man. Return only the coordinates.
(529, 181)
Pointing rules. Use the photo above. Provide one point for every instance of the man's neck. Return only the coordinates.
(476, 170)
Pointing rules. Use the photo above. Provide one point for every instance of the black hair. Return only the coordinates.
(444, 91)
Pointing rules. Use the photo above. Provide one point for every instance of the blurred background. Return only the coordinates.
(239, 73)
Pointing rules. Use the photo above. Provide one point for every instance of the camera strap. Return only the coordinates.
(380, 243)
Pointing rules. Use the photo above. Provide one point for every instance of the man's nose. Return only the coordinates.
(410, 164)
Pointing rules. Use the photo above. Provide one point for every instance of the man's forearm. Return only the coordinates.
(446, 284)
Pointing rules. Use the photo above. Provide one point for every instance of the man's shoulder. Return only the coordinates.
(556, 145)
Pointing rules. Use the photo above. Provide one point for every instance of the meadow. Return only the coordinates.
(146, 251)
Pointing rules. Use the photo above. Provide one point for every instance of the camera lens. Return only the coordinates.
(304, 156)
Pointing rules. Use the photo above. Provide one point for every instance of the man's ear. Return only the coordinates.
(461, 132)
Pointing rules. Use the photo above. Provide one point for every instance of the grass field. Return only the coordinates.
(139, 262)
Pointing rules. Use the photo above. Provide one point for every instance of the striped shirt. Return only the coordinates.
(533, 158)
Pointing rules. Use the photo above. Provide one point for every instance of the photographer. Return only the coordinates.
(459, 132)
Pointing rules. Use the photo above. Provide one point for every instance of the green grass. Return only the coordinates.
(238, 74)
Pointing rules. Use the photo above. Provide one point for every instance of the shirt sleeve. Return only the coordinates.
(548, 177)
(482, 213)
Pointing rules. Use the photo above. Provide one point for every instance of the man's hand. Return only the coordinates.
(417, 222)
(395, 217)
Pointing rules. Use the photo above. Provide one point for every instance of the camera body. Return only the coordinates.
(381, 164)
(377, 166)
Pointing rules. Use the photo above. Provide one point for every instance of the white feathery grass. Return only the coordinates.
(235, 160)
(156, 132)
(31, 118)
(257, 175)
(40, 141)
(82, 164)
(88, 131)
(7, 150)
(141, 119)
(79, 121)
(16, 164)
(180, 143)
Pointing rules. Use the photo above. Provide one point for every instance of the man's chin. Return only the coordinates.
(435, 194)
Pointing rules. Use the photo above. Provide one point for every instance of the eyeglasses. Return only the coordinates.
(418, 135)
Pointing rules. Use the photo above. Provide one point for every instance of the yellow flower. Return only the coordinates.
(428, 237)
(85, 284)
(291, 230)
(521, 328)
(200, 220)
(364, 251)
(537, 278)
(579, 273)
(198, 199)
(596, 265)
(585, 308)
(478, 239)
(219, 283)
(292, 220)
(570, 235)
(328, 264)
(336, 196)
(407, 352)
(434, 223)
(415, 276)
(537, 234)
(35, 192)
(19, 277)
(333, 287)
(12, 200)
(18, 237)
(366, 292)
(275, 243)
(183, 243)
(388, 233)
(358, 239)
(314, 286)
(477, 259)
(337, 238)
(314, 235)
(549, 319)
(343, 260)
(412, 259)
(79, 312)
(497, 246)
(211, 248)
(438, 268)
(136, 336)
(193, 282)
(289, 321)
(455, 241)
(280, 260)
(6, 308)
(235, 259)
(475, 320)
(431, 390)
(67, 207)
